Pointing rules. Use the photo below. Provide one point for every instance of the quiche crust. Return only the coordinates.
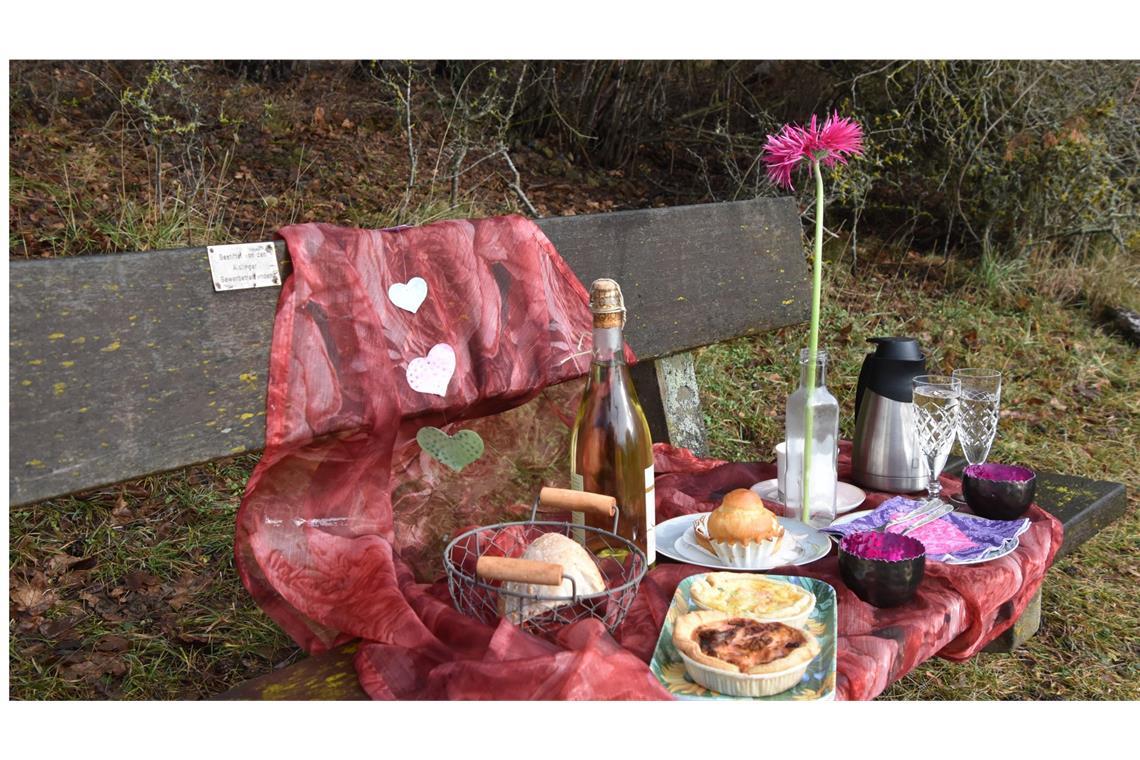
(751, 595)
(688, 628)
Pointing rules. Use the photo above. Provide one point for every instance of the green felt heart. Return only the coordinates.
(456, 451)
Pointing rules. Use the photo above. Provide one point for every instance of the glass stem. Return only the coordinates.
(934, 488)
(813, 340)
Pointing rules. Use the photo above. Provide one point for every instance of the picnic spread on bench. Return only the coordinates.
(396, 424)
(557, 607)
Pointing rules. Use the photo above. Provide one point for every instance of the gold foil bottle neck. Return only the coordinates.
(607, 304)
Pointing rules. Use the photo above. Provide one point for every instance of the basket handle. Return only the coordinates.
(519, 570)
(577, 501)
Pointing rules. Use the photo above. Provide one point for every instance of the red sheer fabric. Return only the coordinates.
(344, 508)
(342, 526)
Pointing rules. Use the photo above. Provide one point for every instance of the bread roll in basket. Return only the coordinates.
(576, 563)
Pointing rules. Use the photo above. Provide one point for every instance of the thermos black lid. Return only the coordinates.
(889, 370)
(897, 348)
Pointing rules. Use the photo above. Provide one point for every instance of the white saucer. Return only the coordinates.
(847, 496)
(809, 544)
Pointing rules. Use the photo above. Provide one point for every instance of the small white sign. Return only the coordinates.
(245, 265)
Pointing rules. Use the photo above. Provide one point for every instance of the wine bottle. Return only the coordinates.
(610, 449)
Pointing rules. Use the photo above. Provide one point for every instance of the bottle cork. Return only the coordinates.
(607, 304)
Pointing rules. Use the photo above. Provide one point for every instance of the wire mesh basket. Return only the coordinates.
(489, 580)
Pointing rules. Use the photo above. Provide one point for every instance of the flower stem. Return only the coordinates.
(813, 340)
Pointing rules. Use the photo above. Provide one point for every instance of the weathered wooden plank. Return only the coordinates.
(124, 365)
(1022, 630)
(328, 676)
(693, 275)
(130, 364)
(667, 390)
(677, 379)
(1082, 505)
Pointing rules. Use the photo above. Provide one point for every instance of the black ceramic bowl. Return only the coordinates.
(883, 569)
(999, 491)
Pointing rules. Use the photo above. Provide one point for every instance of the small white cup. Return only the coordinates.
(781, 450)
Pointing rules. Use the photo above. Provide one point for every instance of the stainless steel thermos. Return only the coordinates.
(886, 456)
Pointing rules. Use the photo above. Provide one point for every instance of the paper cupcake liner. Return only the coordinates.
(742, 555)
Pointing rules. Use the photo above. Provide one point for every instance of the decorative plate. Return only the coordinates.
(1009, 547)
(677, 540)
(818, 681)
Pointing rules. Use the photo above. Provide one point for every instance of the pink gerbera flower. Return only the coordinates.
(829, 144)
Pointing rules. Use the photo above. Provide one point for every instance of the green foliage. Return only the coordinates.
(1017, 157)
(162, 103)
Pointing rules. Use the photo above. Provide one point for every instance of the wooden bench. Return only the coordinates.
(130, 364)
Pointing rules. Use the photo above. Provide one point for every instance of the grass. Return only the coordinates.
(186, 217)
(155, 609)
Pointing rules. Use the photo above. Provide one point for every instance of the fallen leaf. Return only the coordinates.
(61, 563)
(67, 649)
(31, 598)
(121, 514)
(140, 579)
(179, 600)
(55, 628)
(94, 666)
(112, 643)
(186, 637)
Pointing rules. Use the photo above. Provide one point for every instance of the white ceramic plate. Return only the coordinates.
(847, 496)
(1009, 548)
(809, 545)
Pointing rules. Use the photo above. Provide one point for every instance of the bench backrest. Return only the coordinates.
(129, 364)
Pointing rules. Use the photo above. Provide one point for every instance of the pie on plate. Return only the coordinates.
(753, 596)
(741, 656)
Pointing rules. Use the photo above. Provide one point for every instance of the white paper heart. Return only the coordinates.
(408, 295)
(432, 373)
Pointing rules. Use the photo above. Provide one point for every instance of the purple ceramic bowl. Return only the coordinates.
(883, 569)
(999, 491)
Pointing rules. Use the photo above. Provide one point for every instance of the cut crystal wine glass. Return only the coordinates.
(936, 411)
(978, 419)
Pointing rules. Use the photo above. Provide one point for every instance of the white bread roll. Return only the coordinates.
(576, 563)
(742, 518)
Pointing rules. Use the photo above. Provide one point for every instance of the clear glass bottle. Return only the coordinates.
(610, 449)
(824, 446)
